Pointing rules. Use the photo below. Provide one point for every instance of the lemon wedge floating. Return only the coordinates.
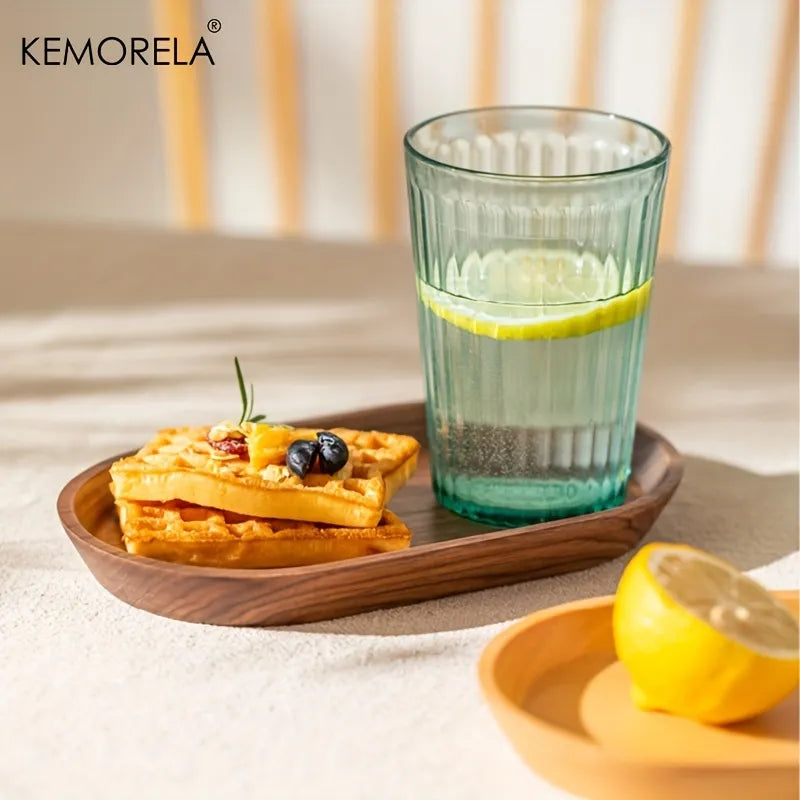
(700, 639)
(535, 294)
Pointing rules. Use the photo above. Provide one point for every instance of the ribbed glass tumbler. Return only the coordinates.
(534, 234)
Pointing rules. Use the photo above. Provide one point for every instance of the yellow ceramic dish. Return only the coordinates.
(554, 684)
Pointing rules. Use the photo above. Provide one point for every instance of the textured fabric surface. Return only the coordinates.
(107, 335)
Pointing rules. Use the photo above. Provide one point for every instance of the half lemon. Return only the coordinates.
(700, 639)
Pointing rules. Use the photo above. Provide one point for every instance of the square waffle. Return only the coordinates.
(391, 456)
(189, 534)
(181, 464)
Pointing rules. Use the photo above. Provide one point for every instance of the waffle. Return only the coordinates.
(188, 534)
(180, 464)
(391, 456)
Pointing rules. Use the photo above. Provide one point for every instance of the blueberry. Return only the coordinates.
(301, 455)
(333, 452)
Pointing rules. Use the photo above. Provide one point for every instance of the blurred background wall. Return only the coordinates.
(297, 128)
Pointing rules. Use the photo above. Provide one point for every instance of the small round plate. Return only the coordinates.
(559, 694)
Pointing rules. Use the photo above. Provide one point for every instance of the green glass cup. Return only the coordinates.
(534, 234)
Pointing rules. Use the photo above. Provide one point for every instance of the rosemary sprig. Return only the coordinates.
(247, 402)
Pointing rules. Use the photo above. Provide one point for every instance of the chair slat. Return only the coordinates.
(183, 116)
(687, 57)
(774, 136)
(280, 84)
(384, 123)
(587, 51)
(487, 60)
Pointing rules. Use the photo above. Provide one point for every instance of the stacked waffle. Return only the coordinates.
(224, 496)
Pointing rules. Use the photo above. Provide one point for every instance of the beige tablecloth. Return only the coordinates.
(107, 335)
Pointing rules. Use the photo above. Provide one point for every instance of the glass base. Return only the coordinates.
(526, 502)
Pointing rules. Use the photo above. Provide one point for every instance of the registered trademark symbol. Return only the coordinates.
(214, 25)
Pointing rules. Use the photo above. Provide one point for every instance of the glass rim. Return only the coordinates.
(659, 158)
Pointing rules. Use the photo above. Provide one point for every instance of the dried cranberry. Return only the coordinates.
(234, 447)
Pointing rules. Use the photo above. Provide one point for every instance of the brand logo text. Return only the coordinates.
(160, 51)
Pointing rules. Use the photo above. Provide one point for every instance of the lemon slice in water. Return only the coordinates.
(700, 639)
(535, 294)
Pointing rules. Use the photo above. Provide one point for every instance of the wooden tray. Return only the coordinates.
(449, 554)
(559, 694)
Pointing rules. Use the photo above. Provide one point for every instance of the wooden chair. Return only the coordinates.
(280, 84)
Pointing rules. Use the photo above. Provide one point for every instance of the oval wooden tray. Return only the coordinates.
(449, 554)
(559, 694)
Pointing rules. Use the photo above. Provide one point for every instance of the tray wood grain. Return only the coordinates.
(449, 554)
